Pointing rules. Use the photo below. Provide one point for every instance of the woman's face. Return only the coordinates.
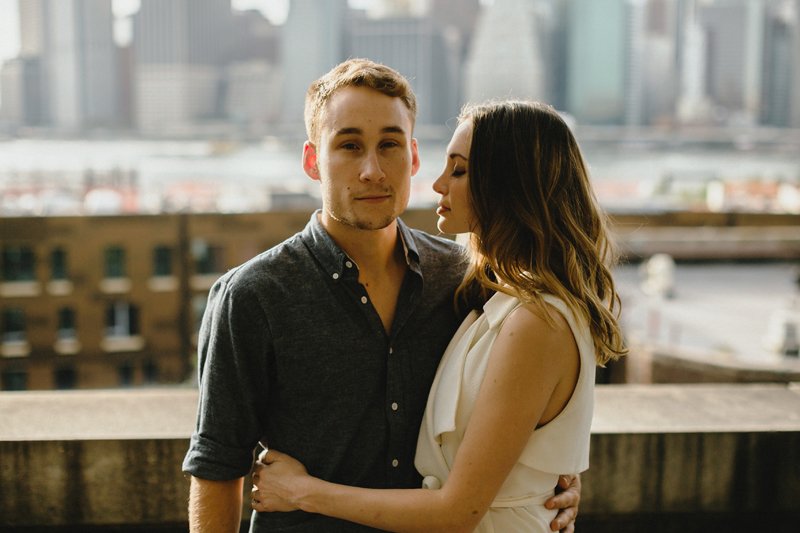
(455, 210)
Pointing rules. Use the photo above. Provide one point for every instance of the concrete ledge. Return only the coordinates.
(663, 363)
(85, 415)
(694, 458)
(712, 243)
(661, 454)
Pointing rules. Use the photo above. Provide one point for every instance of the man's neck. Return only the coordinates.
(372, 250)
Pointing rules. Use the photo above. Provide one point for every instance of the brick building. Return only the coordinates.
(110, 301)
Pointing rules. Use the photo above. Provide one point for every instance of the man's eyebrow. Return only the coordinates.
(348, 131)
(393, 129)
(359, 131)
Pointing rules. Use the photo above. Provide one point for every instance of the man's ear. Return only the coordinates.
(414, 157)
(310, 160)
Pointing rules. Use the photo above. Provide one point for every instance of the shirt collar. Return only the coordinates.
(333, 259)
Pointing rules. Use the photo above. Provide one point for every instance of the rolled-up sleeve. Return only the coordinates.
(233, 351)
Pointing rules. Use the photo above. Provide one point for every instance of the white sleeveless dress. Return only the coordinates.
(559, 447)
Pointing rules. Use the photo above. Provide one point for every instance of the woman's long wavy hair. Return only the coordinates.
(538, 227)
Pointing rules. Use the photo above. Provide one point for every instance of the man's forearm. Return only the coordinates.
(215, 506)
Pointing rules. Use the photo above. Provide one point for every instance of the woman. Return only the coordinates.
(511, 405)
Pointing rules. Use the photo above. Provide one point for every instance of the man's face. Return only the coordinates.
(364, 158)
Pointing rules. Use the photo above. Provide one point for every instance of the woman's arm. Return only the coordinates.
(532, 370)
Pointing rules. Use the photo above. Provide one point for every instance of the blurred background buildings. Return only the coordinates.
(186, 68)
(146, 146)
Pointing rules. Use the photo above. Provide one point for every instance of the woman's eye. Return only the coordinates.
(458, 172)
(350, 146)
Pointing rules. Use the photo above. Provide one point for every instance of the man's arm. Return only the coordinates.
(215, 506)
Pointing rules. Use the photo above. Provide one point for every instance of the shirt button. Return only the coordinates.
(363, 299)
(335, 275)
(391, 350)
(395, 462)
(394, 406)
(348, 264)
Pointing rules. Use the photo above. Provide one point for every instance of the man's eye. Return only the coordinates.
(390, 144)
(350, 146)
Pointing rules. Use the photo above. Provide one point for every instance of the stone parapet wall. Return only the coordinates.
(664, 458)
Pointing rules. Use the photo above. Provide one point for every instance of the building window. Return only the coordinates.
(122, 320)
(150, 371)
(18, 263)
(125, 374)
(162, 261)
(65, 377)
(208, 259)
(66, 323)
(15, 380)
(114, 262)
(58, 264)
(13, 325)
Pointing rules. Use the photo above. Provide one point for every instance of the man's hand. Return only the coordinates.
(566, 500)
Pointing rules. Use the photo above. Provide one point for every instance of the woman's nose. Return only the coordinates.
(439, 185)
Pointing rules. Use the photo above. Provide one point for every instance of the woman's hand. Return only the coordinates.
(276, 478)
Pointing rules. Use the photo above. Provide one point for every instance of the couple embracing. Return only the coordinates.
(340, 349)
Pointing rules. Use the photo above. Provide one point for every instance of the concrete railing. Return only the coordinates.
(664, 458)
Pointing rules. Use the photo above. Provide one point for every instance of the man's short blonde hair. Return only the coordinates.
(355, 73)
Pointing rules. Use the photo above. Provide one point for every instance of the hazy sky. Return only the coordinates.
(9, 29)
(275, 10)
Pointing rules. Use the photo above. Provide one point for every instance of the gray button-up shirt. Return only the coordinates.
(292, 352)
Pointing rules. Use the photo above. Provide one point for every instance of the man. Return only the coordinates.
(325, 346)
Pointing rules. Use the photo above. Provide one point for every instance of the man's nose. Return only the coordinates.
(371, 169)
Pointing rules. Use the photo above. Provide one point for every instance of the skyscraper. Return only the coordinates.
(505, 58)
(180, 51)
(661, 62)
(455, 20)
(312, 44)
(78, 61)
(597, 61)
(416, 48)
(694, 105)
(636, 58)
(21, 90)
(781, 63)
(795, 66)
(12, 92)
(733, 32)
(32, 27)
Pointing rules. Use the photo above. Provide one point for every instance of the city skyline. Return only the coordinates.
(274, 10)
(221, 68)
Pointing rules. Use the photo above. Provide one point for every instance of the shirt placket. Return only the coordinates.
(396, 411)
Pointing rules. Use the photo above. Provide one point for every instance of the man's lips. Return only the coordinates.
(374, 197)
